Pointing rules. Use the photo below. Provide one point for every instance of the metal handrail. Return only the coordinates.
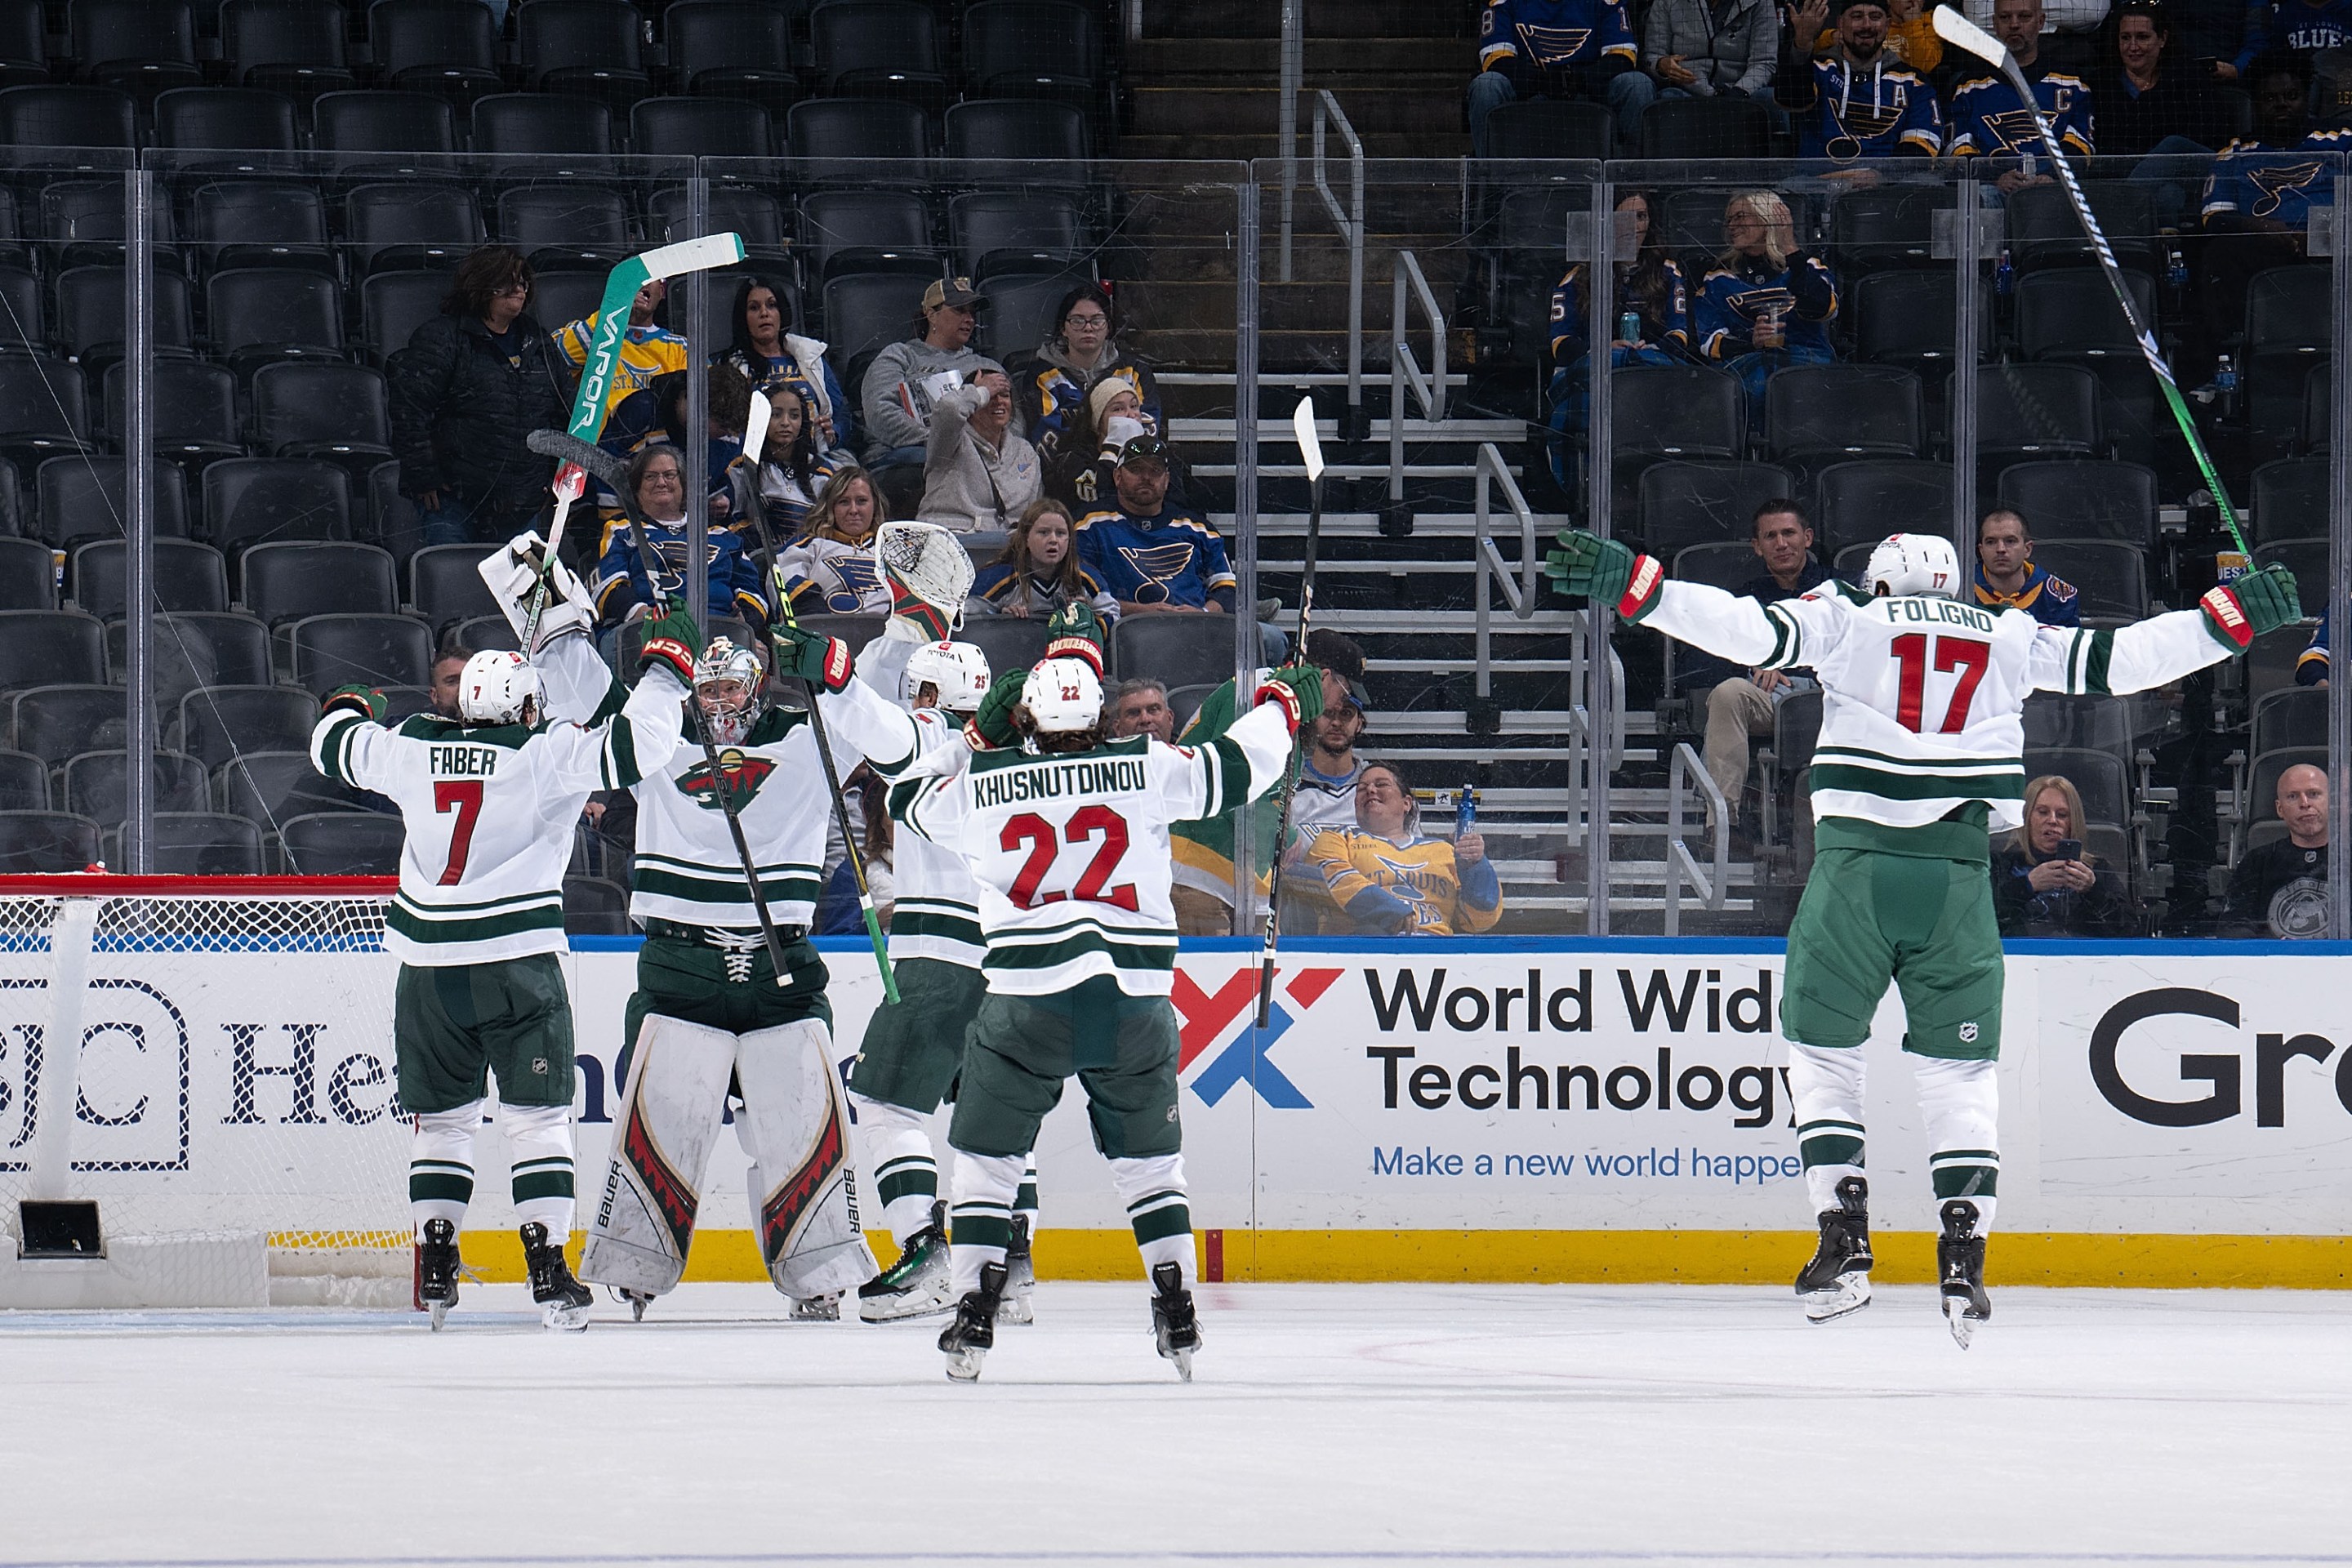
(1405, 371)
(1351, 229)
(1680, 864)
(1293, 66)
(1520, 593)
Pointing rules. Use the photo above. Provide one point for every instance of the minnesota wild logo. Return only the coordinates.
(743, 776)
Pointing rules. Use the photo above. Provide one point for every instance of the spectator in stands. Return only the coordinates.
(907, 377)
(621, 591)
(1390, 879)
(2151, 107)
(771, 354)
(1988, 121)
(792, 471)
(1140, 707)
(2037, 890)
(1857, 99)
(2281, 889)
(1650, 289)
(1911, 38)
(979, 473)
(2299, 28)
(1766, 304)
(1707, 49)
(831, 567)
(472, 384)
(1038, 571)
(1075, 362)
(1557, 48)
(447, 666)
(1079, 469)
(2311, 665)
(1743, 705)
(648, 349)
(2007, 578)
(1329, 771)
(2259, 199)
(838, 912)
(2067, 32)
(657, 415)
(1154, 557)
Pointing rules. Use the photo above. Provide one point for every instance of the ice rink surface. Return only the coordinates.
(1329, 1424)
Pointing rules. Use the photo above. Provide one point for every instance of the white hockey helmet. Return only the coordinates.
(729, 715)
(1907, 563)
(958, 672)
(1064, 696)
(495, 687)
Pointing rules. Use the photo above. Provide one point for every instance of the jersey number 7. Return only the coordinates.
(1044, 845)
(464, 796)
(1967, 655)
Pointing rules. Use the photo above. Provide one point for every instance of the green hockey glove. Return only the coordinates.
(1605, 572)
(1298, 688)
(813, 657)
(2237, 613)
(991, 727)
(364, 701)
(672, 639)
(1077, 633)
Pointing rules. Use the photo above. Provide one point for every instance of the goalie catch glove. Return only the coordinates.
(1298, 688)
(991, 727)
(364, 701)
(1605, 572)
(2260, 602)
(1077, 633)
(512, 576)
(813, 657)
(672, 642)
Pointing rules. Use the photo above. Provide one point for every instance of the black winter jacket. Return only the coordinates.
(460, 412)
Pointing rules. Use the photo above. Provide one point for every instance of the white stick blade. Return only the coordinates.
(1310, 445)
(693, 255)
(755, 428)
(1962, 33)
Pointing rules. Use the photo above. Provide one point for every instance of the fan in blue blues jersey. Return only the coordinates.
(2007, 578)
(2259, 199)
(1149, 554)
(1989, 121)
(1858, 101)
(1557, 49)
(2311, 664)
(1766, 304)
(1650, 290)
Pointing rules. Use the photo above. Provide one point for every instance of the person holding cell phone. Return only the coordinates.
(2044, 883)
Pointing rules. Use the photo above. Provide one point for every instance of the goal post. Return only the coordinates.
(228, 1104)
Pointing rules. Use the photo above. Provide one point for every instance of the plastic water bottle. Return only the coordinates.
(2004, 275)
(2225, 384)
(2176, 273)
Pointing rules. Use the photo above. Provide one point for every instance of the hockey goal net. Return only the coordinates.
(233, 1112)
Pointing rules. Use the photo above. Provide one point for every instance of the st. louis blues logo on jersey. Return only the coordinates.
(1752, 304)
(2016, 130)
(1549, 44)
(1158, 565)
(2277, 184)
(1866, 121)
(671, 554)
(742, 772)
(855, 577)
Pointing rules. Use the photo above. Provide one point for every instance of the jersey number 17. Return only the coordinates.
(1968, 655)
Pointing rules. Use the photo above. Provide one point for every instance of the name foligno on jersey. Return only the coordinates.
(1013, 786)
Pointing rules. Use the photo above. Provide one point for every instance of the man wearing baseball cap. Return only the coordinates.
(1859, 99)
(1154, 557)
(907, 379)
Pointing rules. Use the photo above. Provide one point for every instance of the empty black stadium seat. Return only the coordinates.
(865, 310)
(571, 224)
(986, 227)
(395, 225)
(258, 223)
(337, 412)
(258, 314)
(293, 47)
(1043, 49)
(2027, 412)
(877, 48)
(254, 500)
(90, 325)
(2054, 719)
(2288, 311)
(2084, 500)
(1018, 142)
(96, 784)
(194, 844)
(1691, 503)
(866, 231)
(228, 118)
(2109, 576)
(269, 788)
(392, 305)
(572, 294)
(42, 409)
(188, 577)
(341, 844)
(1886, 225)
(224, 649)
(1909, 319)
(23, 44)
(1863, 502)
(1831, 413)
(46, 841)
(382, 123)
(54, 722)
(586, 47)
(1009, 641)
(144, 47)
(2308, 559)
(284, 582)
(1551, 127)
(1677, 411)
(547, 124)
(24, 782)
(216, 722)
(2101, 778)
(2289, 499)
(22, 319)
(1022, 309)
(699, 127)
(82, 499)
(54, 116)
(850, 141)
(483, 632)
(2292, 718)
(734, 209)
(376, 650)
(1724, 567)
(27, 575)
(732, 50)
(50, 647)
(1722, 127)
(445, 587)
(2070, 311)
(2045, 232)
(441, 46)
(195, 418)
(1175, 650)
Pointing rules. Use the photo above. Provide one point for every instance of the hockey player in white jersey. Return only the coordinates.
(711, 1015)
(1066, 835)
(1921, 754)
(489, 801)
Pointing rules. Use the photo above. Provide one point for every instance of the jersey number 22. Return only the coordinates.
(1085, 823)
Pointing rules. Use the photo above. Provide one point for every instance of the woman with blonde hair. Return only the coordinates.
(830, 568)
(1038, 571)
(1767, 303)
(2044, 882)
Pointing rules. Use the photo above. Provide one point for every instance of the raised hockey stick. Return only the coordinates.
(1310, 448)
(1960, 32)
(621, 286)
(755, 441)
(611, 472)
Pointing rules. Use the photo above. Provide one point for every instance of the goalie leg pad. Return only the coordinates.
(1960, 1103)
(1825, 1083)
(900, 1161)
(662, 1138)
(441, 1164)
(803, 1184)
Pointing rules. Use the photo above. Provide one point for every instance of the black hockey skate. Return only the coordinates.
(1959, 1267)
(972, 1335)
(437, 1270)
(562, 1301)
(1174, 1325)
(1020, 1277)
(919, 1285)
(1837, 1281)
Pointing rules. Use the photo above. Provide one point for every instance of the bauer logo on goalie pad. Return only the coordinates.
(743, 774)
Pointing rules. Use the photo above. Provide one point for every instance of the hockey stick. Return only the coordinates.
(1956, 30)
(755, 441)
(611, 472)
(621, 286)
(1310, 448)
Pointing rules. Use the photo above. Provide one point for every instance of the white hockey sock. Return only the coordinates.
(1825, 1085)
(441, 1164)
(982, 1226)
(1153, 1191)
(898, 1153)
(538, 1144)
(1025, 1202)
(1960, 1103)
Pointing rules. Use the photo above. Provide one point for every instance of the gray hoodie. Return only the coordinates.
(897, 410)
(1738, 51)
(966, 486)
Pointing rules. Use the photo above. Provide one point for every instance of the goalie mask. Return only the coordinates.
(956, 671)
(497, 686)
(727, 681)
(928, 573)
(1907, 563)
(1064, 697)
